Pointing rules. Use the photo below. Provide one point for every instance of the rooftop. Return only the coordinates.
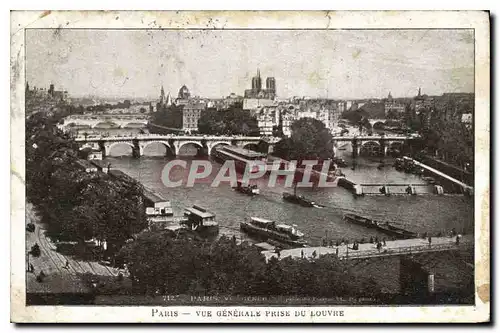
(199, 211)
(261, 220)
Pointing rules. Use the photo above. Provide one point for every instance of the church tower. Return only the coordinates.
(162, 96)
(257, 82)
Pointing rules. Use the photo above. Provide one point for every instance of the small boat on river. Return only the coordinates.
(246, 188)
(267, 229)
(298, 199)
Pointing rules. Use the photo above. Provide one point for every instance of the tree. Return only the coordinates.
(233, 121)
(168, 116)
(310, 139)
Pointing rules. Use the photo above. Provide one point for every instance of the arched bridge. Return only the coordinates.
(172, 143)
(105, 121)
(373, 144)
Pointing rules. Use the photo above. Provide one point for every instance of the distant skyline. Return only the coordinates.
(338, 64)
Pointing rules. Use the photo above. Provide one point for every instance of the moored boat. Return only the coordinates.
(201, 221)
(298, 199)
(268, 229)
(247, 189)
(243, 158)
(384, 227)
(159, 210)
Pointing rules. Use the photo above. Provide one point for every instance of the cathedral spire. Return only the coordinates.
(169, 100)
(162, 95)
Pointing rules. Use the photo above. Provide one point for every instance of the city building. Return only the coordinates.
(266, 121)
(392, 108)
(254, 103)
(43, 100)
(191, 113)
(257, 92)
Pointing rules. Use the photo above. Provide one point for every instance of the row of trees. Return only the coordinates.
(233, 121)
(310, 140)
(170, 116)
(443, 132)
(161, 264)
(76, 205)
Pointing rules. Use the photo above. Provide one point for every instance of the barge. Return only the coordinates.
(384, 227)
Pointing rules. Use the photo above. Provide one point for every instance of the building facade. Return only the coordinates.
(257, 92)
(392, 108)
(191, 113)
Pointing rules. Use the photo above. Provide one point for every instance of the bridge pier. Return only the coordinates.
(356, 148)
(137, 152)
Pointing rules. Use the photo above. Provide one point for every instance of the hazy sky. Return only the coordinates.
(333, 63)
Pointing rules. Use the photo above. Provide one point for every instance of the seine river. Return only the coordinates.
(421, 213)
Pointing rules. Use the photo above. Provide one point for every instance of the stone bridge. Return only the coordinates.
(105, 121)
(373, 144)
(172, 143)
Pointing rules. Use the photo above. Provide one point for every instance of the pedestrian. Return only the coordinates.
(302, 254)
(32, 269)
(371, 239)
(430, 240)
(314, 254)
(67, 264)
(385, 242)
(379, 246)
(337, 251)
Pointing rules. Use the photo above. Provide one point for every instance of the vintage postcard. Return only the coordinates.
(250, 167)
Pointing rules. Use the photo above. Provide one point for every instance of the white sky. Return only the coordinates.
(333, 63)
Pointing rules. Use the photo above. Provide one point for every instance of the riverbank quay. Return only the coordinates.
(368, 250)
(56, 278)
(406, 271)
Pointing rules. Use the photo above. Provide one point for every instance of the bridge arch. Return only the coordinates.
(379, 125)
(251, 146)
(370, 148)
(168, 148)
(106, 124)
(119, 143)
(395, 147)
(181, 144)
(135, 124)
(212, 145)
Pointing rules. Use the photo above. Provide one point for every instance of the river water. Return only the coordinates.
(424, 213)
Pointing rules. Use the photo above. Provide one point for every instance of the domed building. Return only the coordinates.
(184, 93)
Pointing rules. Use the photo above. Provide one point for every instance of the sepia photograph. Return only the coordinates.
(187, 167)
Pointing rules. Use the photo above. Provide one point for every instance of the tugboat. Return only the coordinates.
(247, 189)
(384, 227)
(201, 221)
(267, 229)
(340, 162)
(298, 199)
